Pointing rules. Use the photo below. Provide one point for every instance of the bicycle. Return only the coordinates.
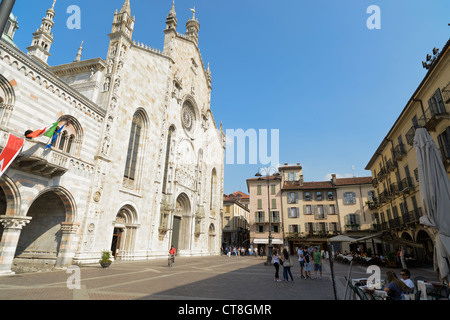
(171, 260)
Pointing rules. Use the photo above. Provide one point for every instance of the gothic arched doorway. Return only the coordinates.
(181, 223)
(124, 235)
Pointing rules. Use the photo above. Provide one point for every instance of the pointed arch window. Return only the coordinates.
(213, 188)
(133, 147)
(166, 164)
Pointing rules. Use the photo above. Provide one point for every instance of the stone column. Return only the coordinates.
(69, 244)
(12, 228)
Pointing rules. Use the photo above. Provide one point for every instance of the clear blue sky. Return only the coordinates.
(311, 69)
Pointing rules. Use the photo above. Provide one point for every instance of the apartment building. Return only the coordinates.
(315, 211)
(265, 212)
(236, 220)
(396, 205)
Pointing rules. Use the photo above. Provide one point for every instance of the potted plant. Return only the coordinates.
(390, 257)
(105, 261)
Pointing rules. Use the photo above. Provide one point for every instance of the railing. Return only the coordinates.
(391, 165)
(406, 185)
(375, 182)
(394, 188)
(410, 217)
(260, 219)
(410, 135)
(382, 174)
(434, 116)
(399, 152)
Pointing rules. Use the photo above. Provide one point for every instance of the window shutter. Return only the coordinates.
(327, 226)
(304, 209)
(325, 211)
(296, 197)
(440, 102)
(354, 197)
(306, 227)
(289, 212)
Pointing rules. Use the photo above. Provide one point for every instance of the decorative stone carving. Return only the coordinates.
(14, 222)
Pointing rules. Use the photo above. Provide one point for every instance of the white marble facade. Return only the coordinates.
(140, 166)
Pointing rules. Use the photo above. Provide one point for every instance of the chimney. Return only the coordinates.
(333, 179)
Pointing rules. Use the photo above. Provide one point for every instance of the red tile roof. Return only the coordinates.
(354, 180)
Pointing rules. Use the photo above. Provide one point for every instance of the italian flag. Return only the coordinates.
(47, 131)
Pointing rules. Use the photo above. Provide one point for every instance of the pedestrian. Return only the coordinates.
(317, 263)
(286, 266)
(307, 263)
(301, 260)
(256, 252)
(402, 257)
(261, 252)
(276, 264)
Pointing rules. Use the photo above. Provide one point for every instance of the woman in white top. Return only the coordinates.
(276, 264)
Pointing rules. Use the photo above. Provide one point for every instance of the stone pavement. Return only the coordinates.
(198, 278)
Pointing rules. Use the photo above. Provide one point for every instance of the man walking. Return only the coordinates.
(317, 263)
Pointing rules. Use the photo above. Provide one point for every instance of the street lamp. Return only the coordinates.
(268, 171)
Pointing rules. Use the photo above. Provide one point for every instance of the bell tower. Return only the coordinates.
(123, 23)
(43, 37)
(192, 28)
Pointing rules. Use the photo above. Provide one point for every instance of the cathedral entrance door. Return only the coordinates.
(117, 236)
(176, 231)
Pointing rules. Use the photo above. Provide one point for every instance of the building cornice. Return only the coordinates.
(49, 76)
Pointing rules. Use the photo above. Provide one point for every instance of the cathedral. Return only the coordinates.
(138, 161)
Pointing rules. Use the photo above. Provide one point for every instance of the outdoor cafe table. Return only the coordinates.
(374, 292)
(424, 285)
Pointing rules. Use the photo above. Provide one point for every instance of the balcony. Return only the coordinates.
(433, 115)
(391, 165)
(36, 159)
(260, 219)
(399, 152)
(410, 135)
(395, 190)
(395, 223)
(382, 174)
(406, 185)
(384, 196)
(375, 182)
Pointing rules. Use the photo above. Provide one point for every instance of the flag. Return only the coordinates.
(55, 136)
(10, 152)
(47, 131)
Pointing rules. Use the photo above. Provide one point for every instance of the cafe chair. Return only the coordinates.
(441, 293)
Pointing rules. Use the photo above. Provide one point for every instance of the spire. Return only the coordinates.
(171, 20)
(126, 7)
(172, 12)
(43, 37)
(193, 27)
(80, 50)
(123, 21)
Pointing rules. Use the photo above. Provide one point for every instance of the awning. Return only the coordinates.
(266, 241)
(341, 238)
(389, 238)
